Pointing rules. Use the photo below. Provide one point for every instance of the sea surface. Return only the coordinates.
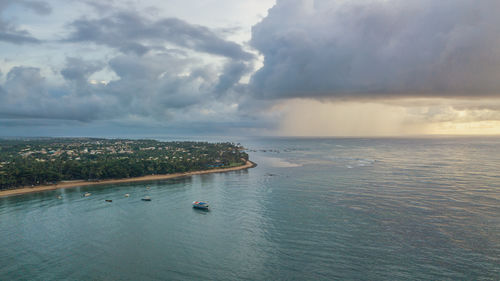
(313, 209)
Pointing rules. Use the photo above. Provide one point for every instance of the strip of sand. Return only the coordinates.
(70, 184)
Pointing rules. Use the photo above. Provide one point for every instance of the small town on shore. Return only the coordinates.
(42, 161)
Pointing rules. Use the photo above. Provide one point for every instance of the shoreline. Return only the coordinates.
(78, 183)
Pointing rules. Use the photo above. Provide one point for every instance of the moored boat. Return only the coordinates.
(200, 205)
(146, 198)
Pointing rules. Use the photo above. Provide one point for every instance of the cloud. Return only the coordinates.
(39, 7)
(153, 87)
(140, 70)
(77, 69)
(141, 79)
(12, 34)
(157, 72)
(130, 32)
(24, 81)
(378, 49)
(26, 94)
(77, 72)
(231, 75)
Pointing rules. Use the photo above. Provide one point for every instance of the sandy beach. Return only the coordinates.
(70, 184)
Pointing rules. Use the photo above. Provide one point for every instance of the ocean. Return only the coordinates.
(313, 209)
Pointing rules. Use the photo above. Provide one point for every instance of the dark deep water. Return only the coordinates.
(320, 209)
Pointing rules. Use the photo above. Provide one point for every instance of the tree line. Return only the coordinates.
(30, 171)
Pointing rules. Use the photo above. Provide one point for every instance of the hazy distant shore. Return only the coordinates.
(70, 184)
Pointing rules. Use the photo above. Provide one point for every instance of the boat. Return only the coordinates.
(108, 200)
(87, 194)
(146, 198)
(127, 195)
(200, 205)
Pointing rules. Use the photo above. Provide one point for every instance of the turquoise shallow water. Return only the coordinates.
(313, 209)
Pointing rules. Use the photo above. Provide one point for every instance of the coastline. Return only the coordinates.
(79, 183)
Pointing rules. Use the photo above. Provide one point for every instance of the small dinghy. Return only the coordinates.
(127, 195)
(87, 194)
(146, 198)
(108, 200)
(200, 205)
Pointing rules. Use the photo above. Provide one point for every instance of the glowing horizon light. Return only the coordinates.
(339, 118)
(465, 128)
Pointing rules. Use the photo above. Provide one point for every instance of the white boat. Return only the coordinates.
(87, 194)
(146, 198)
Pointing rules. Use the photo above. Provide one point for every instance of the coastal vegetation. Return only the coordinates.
(31, 162)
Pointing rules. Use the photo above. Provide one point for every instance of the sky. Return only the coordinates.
(262, 67)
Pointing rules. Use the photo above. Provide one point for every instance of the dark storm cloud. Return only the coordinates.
(129, 32)
(12, 34)
(361, 48)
